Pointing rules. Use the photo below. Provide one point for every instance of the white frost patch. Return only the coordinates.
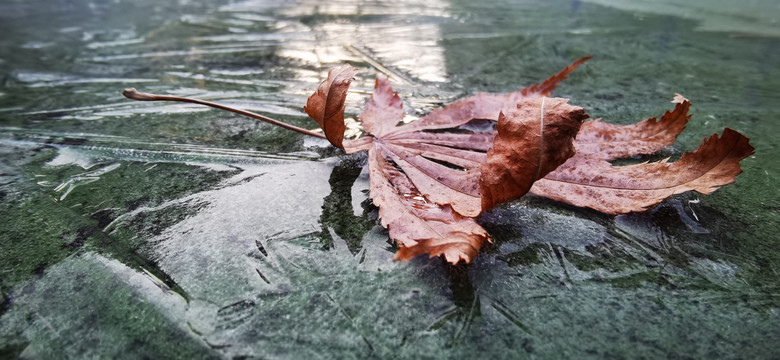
(214, 253)
(72, 156)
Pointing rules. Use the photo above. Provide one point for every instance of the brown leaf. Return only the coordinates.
(326, 106)
(426, 184)
(430, 185)
(532, 140)
(601, 140)
(595, 183)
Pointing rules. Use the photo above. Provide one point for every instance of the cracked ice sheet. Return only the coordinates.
(244, 299)
(214, 254)
(255, 272)
(109, 307)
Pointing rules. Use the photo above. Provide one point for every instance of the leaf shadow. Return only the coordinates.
(337, 208)
(680, 245)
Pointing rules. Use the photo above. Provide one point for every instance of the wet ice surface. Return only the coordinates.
(168, 230)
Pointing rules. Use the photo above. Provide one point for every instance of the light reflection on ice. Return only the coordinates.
(407, 42)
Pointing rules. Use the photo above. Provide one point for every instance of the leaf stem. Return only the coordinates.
(132, 93)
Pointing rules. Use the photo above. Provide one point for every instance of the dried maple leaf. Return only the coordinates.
(430, 184)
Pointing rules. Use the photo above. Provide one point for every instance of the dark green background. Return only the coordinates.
(160, 230)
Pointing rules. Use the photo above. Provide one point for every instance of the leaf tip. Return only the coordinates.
(679, 99)
(546, 87)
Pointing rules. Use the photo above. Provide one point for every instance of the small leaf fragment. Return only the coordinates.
(326, 106)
